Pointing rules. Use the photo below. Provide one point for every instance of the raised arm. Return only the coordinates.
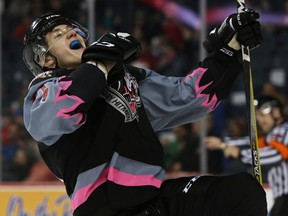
(171, 101)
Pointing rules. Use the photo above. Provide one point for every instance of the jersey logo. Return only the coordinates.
(45, 94)
(128, 101)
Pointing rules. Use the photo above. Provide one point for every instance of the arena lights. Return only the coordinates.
(214, 15)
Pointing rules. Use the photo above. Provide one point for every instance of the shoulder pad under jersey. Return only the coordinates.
(47, 75)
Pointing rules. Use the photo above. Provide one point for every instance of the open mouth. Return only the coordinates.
(76, 44)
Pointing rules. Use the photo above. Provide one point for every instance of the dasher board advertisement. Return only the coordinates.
(34, 200)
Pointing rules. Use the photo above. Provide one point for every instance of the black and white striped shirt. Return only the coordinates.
(273, 157)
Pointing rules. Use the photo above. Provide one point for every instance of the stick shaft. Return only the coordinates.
(251, 115)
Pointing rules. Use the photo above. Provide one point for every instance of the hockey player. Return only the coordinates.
(94, 118)
(273, 147)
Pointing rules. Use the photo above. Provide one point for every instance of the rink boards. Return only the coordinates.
(34, 200)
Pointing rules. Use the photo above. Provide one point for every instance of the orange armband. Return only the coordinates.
(261, 142)
(280, 147)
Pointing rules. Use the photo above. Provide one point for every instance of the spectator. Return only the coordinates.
(171, 62)
(176, 147)
(39, 171)
(21, 165)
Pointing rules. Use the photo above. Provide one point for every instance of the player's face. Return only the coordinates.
(265, 121)
(66, 45)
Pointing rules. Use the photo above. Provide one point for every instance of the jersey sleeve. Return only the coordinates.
(171, 101)
(58, 105)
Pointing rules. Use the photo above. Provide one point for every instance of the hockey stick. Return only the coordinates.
(249, 94)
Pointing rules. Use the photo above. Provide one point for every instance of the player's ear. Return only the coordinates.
(50, 61)
(276, 113)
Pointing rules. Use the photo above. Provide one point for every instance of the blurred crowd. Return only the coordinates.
(170, 47)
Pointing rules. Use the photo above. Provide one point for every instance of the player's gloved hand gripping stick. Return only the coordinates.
(242, 28)
(249, 93)
(238, 33)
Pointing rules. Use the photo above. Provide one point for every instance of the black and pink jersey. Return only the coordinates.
(99, 136)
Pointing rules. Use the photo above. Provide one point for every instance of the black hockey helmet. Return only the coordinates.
(35, 47)
(265, 104)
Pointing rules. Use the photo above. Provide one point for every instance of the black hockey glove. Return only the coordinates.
(250, 35)
(223, 39)
(119, 47)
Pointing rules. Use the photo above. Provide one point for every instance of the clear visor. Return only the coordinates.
(40, 51)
